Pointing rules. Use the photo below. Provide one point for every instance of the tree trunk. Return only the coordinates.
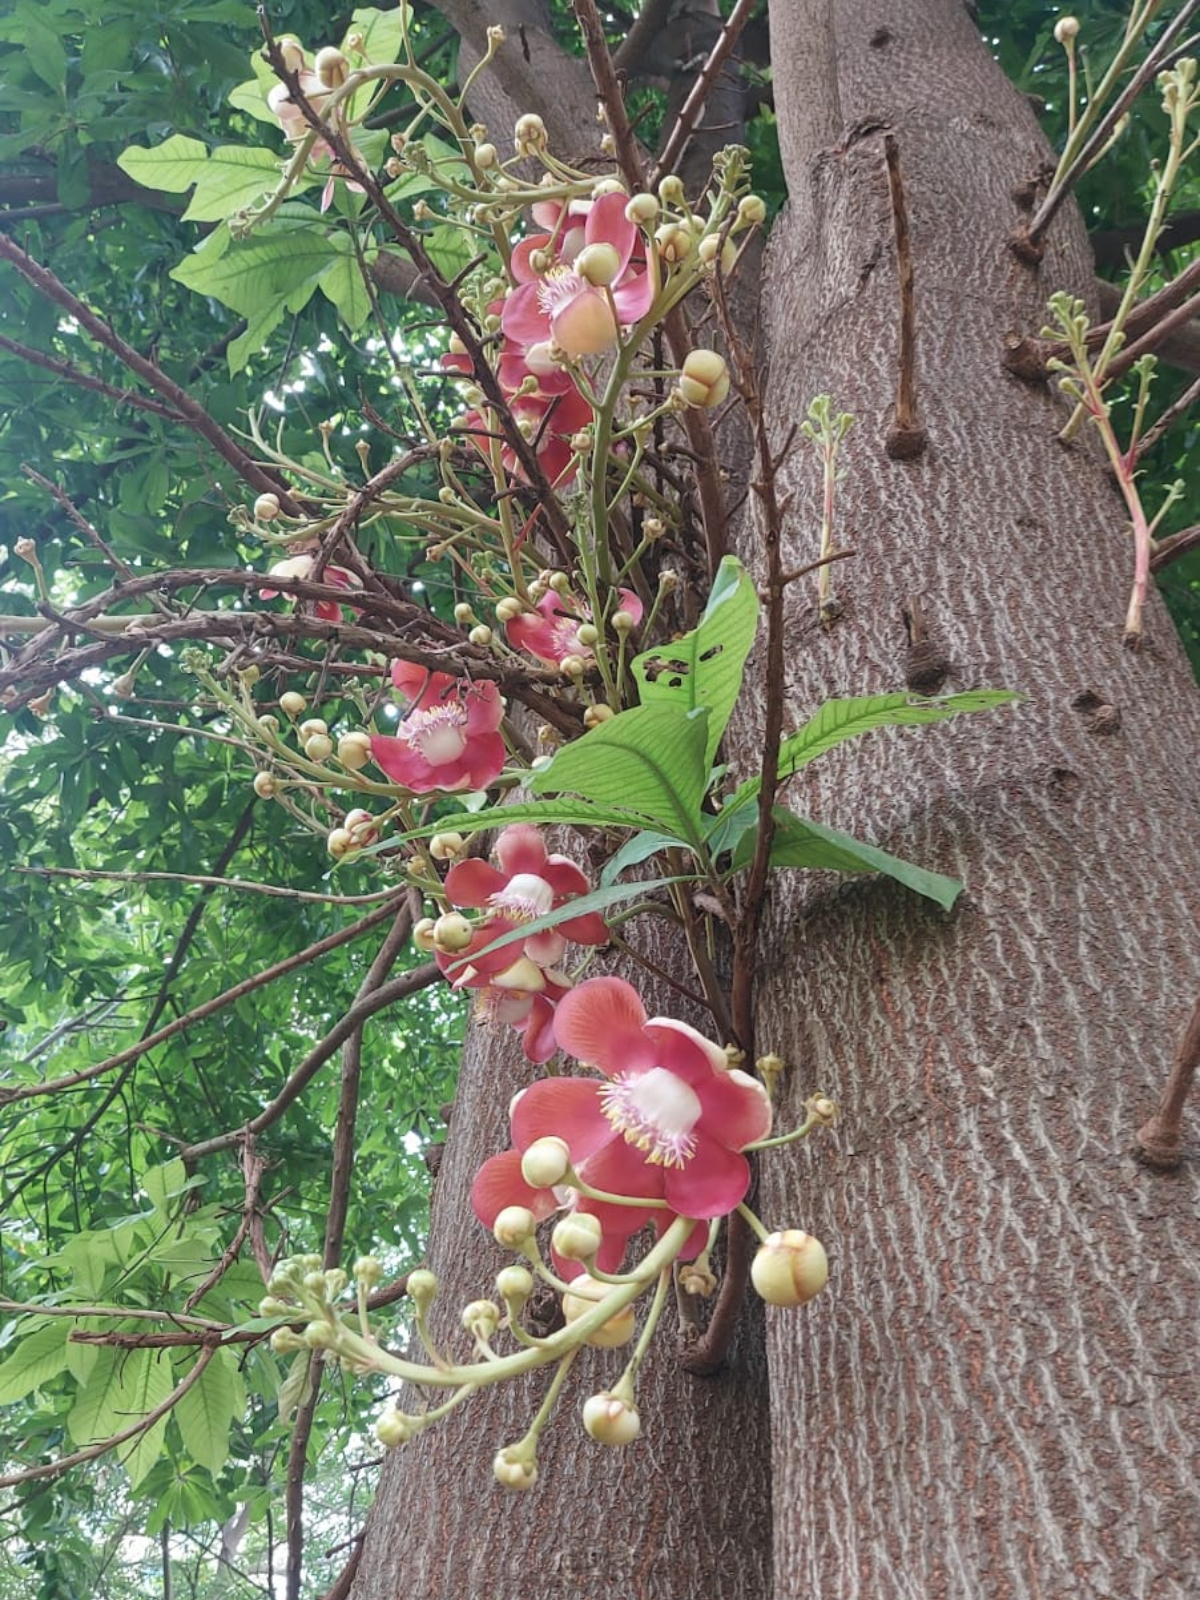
(996, 1394)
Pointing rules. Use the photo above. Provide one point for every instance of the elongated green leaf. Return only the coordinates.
(38, 1357)
(173, 166)
(704, 668)
(597, 900)
(800, 843)
(838, 720)
(563, 812)
(146, 1382)
(205, 1412)
(234, 176)
(650, 760)
(639, 848)
(250, 275)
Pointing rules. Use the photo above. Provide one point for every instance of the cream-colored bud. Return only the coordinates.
(514, 1286)
(339, 842)
(623, 621)
(124, 686)
(578, 1236)
(394, 1428)
(423, 934)
(447, 846)
(265, 786)
(463, 613)
(452, 933)
(584, 1295)
(668, 581)
(268, 723)
(481, 636)
(361, 826)
(319, 1336)
(1066, 29)
(546, 1162)
(354, 750)
(670, 190)
(790, 1268)
(611, 1420)
(752, 210)
(266, 508)
(292, 704)
(588, 634)
(513, 1226)
(573, 666)
(509, 608)
(481, 1318)
(704, 380)
(319, 747)
(313, 725)
(642, 210)
(697, 1280)
(495, 36)
(513, 1471)
(368, 1271)
(674, 243)
(331, 67)
(292, 52)
(422, 1288)
(486, 157)
(712, 247)
(529, 135)
(593, 716)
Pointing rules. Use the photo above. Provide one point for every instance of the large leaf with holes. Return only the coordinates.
(704, 668)
(651, 760)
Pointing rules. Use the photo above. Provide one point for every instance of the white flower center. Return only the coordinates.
(656, 1111)
(438, 733)
(524, 897)
(558, 288)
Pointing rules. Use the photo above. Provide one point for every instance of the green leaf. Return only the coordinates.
(206, 1411)
(800, 843)
(173, 166)
(164, 1182)
(597, 900)
(147, 1381)
(651, 760)
(704, 668)
(838, 720)
(343, 284)
(234, 176)
(276, 270)
(297, 1386)
(38, 1357)
(639, 848)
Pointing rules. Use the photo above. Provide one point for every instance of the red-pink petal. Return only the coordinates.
(696, 1240)
(600, 1022)
(547, 948)
(519, 264)
(684, 1051)
(473, 882)
(631, 603)
(633, 298)
(590, 928)
(523, 318)
(539, 1042)
(499, 1183)
(737, 1109)
(565, 1108)
(564, 877)
(621, 1168)
(484, 707)
(482, 762)
(520, 848)
(711, 1183)
(608, 224)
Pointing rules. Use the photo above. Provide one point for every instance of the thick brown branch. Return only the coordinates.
(1160, 1140)
(608, 88)
(1165, 551)
(83, 380)
(906, 438)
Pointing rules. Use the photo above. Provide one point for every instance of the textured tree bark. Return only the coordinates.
(995, 1397)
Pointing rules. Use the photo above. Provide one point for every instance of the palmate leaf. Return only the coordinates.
(651, 760)
(704, 668)
(799, 843)
(226, 179)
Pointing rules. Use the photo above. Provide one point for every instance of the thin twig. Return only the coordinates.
(1160, 1140)
(83, 380)
(690, 111)
(1164, 551)
(608, 87)
(205, 881)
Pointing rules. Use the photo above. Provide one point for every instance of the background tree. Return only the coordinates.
(946, 1417)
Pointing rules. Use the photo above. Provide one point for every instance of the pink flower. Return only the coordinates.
(670, 1123)
(551, 414)
(551, 632)
(449, 737)
(581, 314)
(301, 567)
(531, 1010)
(528, 884)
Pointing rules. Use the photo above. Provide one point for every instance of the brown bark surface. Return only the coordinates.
(996, 1397)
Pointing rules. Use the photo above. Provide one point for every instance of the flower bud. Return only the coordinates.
(705, 379)
(266, 508)
(611, 1420)
(513, 1226)
(529, 135)
(513, 1471)
(331, 67)
(598, 264)
(583, 1296)
(463, 613)
(354, 750)
(577, 1237)
(268, 723)
(546, 1162)
(123, 686)
(339, 842)
(292, 704)
(486, 157)
(265, 786)
(422, 1288)
(790, 1268)
(623, 621)
(285, 1343)
(481, 636)
(319, 747)
(423, 935)
(481, 1318)
(292, 52)
(313, 725)
(588, 635)
(361, 827)
(452, 933)
(394, 1428)
(572, 666)
(514, 1285)
(508, 609)
(319, 1336)
(751, 210)
(593, 716)
(1065, 29)
(447, 846)
(642, 210)
(697, 1280)
(368, 1271)
(670, 190)
(674, 243)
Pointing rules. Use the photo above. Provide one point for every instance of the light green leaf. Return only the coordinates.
(343, 284)
(38, 1357)
(838, 720)
(147, 1382)
(95, 1413)
(800, 843)
(162, 1183)
(253, 275)
(173, 166)
(382, 33)
(650, 760)
(206, 1411)
(641, 846)
(234, 176)
(704, 668)
(297, 1386)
